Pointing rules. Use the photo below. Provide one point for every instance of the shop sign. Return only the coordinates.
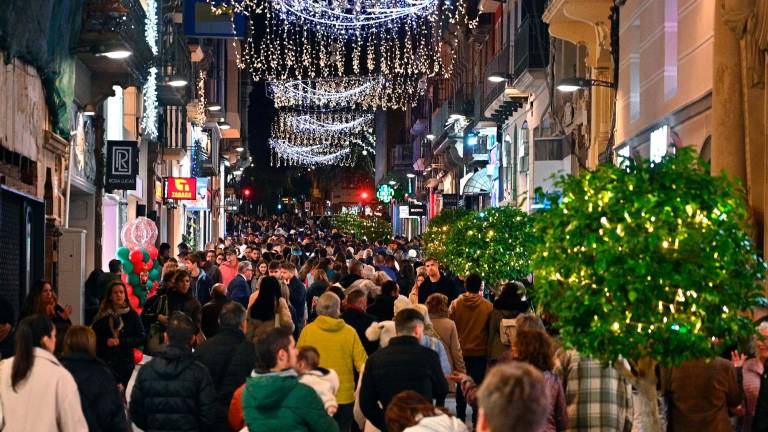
(385, 193)
(158, 191)
(200, 202)
(417, 209)
(122, 165)
(201, 21)
(452, 201)
(231, 205)
(181, 188)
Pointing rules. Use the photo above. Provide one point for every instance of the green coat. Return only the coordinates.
(278, 402)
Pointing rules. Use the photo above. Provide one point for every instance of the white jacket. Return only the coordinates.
(325, 382)
(438, 423)
(47, 400)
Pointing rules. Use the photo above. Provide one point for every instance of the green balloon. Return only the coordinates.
(146, 255)
(123, 253)
(154, 274)
(134, 280)
(127, 267)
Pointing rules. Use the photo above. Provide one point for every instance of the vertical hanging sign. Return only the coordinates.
(122, 165)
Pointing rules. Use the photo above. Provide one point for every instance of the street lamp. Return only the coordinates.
(224, 125)
(410, 175)
(115, 52)
(574, 83)
(214, 107)
(498, 77)
(430, 137)
(177, 81)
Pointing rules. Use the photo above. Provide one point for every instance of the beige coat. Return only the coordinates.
(446, 330)
(47, 400)
(258, 329)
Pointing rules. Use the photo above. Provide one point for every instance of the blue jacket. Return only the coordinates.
(202, 287)
(239, 290)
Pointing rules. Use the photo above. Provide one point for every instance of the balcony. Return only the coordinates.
(499, 64)
(109, 25)
(531, 46)
(584, 22)
(552, 158)
(175, 59)
(173, 133)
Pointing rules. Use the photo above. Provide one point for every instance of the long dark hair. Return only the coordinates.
(32, 302)
(265, 306)
(29, 335)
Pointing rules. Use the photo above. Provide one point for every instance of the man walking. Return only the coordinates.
(471, 313)
(273, 399)
(436, 282)
(173, 391)
(402, 365)
(199, 283)
(217, 352)
(298, 296)
(239, 289)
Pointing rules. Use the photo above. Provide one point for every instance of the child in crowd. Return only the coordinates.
(323, 381)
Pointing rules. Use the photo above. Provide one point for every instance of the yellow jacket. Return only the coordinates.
(340, 349)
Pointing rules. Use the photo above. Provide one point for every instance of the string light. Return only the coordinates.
(359, 92)
(312, 39)
(335, 130)
(149, 90)
(199, 117)
(285, 153)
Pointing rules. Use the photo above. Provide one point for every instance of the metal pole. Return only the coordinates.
(69, 185)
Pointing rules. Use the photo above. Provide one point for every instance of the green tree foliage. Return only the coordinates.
(437, 231)
(371, 228)
(649, 262)
(495, 243)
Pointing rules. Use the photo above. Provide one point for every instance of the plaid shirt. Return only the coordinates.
(599, 399)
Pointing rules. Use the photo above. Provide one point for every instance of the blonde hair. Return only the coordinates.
(169, 267)
(80, 339)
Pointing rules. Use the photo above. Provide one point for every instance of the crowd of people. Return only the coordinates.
(293, 326)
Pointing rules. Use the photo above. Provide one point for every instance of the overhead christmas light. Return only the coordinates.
(285, 153)
(360, 92)
(305, 38)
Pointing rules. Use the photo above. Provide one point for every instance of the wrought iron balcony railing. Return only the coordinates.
(531, 45)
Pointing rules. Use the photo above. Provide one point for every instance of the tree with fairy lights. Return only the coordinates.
(437, 231)
(495, 243)
(370, 228)
(648, 262)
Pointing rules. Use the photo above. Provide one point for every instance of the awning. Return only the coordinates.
(479, 183)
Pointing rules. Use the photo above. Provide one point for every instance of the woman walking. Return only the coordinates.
(118, 331)
(38, 394)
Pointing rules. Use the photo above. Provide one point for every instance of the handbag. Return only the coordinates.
(156, 335)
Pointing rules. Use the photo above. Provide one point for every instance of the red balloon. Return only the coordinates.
(152, 252)
(134, 301)
(136, 257)
(138, 356)
(128, 289)
(149, 265)
(124, 278)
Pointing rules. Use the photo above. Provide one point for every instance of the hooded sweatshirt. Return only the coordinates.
(277, 401)
(438, 423)
(471, 313)
(340, 349)
(325, 383)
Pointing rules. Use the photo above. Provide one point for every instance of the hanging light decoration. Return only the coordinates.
(333, 129)
(285, 153)
(361, 92)
(321, 38)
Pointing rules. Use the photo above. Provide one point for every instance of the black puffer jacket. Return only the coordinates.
(173, 392)
(100, 399)
(217, 353)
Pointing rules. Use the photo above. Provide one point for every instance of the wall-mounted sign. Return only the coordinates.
(452, 201)
(385, 193)
(181, 188)
(403, 211)
(417, 210)
(122, 165)
(158, 191)
(200, 202)
(200, 21)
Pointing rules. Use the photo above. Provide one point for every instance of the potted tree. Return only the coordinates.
(650, 263)
(437, 231)
(495, 243)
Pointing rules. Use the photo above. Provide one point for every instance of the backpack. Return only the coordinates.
(507, 331)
